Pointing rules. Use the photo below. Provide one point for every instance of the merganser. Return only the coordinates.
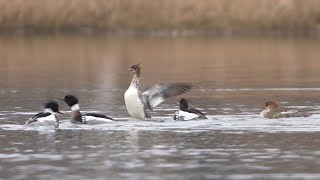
(137, 103)
(185, 113)
(47, 117)
(89, 118)
(271, 111)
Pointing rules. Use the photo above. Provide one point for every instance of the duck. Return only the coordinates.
(48, 117)
(185, 113)
(139, 103)
(272, 111)
(79, 118)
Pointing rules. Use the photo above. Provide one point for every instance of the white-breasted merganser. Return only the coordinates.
(89, 118)
(47, 117)
(137, 103)
(185, 113)
(271, 111)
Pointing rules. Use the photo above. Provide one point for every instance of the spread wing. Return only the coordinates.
(196, 111)
(98, 115)
(158, 93)
(39, 115)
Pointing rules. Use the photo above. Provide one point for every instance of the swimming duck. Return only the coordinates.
(89, 118)
(47, 117)
(185, 113)
(138, 103)
(271, 111)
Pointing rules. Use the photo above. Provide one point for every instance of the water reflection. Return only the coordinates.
(101, 62)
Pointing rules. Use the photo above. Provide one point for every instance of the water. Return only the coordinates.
(231, 77)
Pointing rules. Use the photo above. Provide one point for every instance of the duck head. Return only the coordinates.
(52, 106)
(183, 104)
(136, 69)
(271, 105)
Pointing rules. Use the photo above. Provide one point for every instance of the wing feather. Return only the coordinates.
(159, 92)
(39, 115)
(98, 115)
(196, 111)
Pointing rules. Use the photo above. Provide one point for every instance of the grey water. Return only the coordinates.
(232, 77)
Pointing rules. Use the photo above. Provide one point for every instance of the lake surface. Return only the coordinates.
(231, 78)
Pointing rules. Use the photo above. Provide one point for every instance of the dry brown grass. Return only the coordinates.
(165, 15)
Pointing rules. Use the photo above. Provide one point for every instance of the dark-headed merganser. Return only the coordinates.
(137, 103)
(89, 118)
(185, 113)
(47, 117)
(271, 111)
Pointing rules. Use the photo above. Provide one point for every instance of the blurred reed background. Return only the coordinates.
(161, 16)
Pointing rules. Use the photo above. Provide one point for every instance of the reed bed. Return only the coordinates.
(161, 15)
